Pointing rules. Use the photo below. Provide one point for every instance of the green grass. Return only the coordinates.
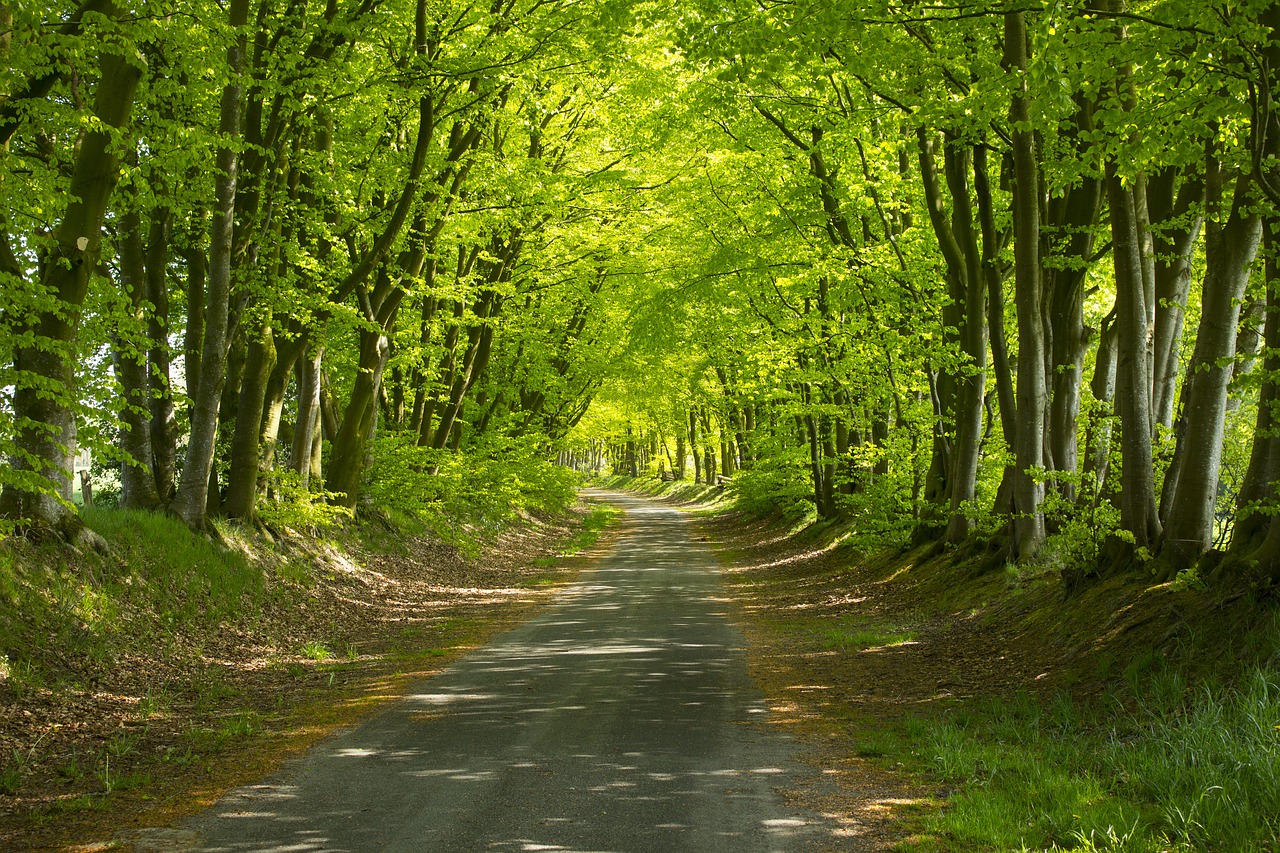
(190, 577)
(159, 579)
(316, 650)
(600, 519)
(1166, 769)
(849, 634)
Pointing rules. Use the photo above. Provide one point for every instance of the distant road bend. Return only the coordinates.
(617, 720)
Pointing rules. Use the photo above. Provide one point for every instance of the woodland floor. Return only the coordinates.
(171, 728)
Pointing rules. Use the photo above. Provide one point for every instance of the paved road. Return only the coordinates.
(621, 719)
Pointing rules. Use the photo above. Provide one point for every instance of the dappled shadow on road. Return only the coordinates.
(618, 721)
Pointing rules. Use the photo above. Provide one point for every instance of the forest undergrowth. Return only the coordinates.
(952, 708)
(137, 687)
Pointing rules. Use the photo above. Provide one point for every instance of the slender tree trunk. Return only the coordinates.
(1103, 389)
(163, 422)
(1179, 222)
(289, 349)
(307, 428)
(1137, 493)
(191, 501)
(129, 358)
(973, 343)
(992, 275)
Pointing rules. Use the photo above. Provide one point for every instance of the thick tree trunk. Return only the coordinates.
(1028, 491)
(1229, 254)
(346, 464)
(1253, 517)
(246, 441)
(45, 437)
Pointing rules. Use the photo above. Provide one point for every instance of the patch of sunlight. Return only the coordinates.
(896, 645)
(446, 698)
(356, 752)
(901, 571)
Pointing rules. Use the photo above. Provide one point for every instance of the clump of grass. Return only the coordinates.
(1177, 771)
(12, 772)
(316, 650)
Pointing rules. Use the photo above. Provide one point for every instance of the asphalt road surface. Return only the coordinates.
(620, 719)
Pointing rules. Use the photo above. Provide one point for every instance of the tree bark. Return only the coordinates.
(163, 422)
(129, 358)
(246, 441)
(191, 501)
(45, 437)
(1229, 254)
(1028, 492)
(1179, 223)
(1133, 389)
(307, 428)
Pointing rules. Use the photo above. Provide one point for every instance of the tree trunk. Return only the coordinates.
(992, 243)
(163, 422)
(1028, 492)
(346, 464)
(246, 441)
(307, 428)
(45, 437)
(1073, 219)
(1133, 389)
(129, 358)
(1229, 253)
(1179, 222)
(191, 501)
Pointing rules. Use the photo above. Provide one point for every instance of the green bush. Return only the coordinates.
(778, 482)
(288, 504)
(468, 496)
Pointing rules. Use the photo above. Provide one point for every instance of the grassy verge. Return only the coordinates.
(1166, 768)
(602, 517)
